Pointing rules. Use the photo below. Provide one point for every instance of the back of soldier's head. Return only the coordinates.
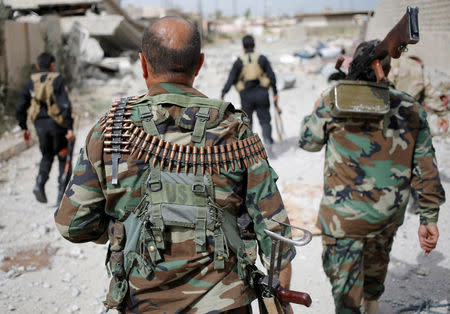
(44, 60)
(369, 74)
(248, 42)
(172, 46)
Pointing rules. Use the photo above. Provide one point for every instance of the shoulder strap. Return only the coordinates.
(186, 101)
(147, 120)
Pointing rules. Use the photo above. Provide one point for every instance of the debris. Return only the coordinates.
(306, 53)
(91, 51)
(75, 292)
(74, 308)
(46, 285)
(288, 59)
(11, 307)
(68, 277)
(286, 80)
(329, 52)
(423, 271)
(77, 253)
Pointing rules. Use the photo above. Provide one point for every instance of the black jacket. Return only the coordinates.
(62, 99)
(237, 69)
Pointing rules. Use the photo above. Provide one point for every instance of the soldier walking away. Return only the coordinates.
(252, 75)
(165, 177)
(378, 147)
(45, 95)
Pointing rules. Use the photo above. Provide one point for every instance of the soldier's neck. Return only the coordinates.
(150, 81)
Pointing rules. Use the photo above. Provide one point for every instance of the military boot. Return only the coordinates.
(39, 189)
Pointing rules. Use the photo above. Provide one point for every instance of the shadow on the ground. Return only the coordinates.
(411, 284)
(280, 148)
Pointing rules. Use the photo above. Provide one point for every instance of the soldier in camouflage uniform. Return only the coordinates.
(164, 176)
(370, 167)
(407, 75)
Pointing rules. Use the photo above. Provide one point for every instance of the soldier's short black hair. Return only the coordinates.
(45, 59)
(248, 42)
(369, 74)
(166, 60)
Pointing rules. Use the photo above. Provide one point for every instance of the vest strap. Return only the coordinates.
(148, 241)
(147, 120)
(202, 117)
(219, 249)
(200, 226)
(155, 187)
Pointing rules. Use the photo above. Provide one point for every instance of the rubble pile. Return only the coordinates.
(94, 40)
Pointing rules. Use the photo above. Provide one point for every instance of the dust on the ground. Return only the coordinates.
(28, 259)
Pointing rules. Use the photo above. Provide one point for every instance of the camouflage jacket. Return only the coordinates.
(370, 166)
(408, 76)
(184, 280)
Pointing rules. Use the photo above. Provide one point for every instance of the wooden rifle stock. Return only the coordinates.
(339, 62)
(404, 33)
(293, 297)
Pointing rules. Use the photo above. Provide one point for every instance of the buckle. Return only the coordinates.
(202, 117)
(147, 116)
(198, 188)
(155, 186)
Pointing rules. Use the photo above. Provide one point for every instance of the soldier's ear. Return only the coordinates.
(202, 59)
(52, 67)
(143, 65)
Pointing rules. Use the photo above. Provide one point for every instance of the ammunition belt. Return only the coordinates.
(123, 137)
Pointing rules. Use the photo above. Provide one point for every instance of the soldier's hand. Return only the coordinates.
(275, 99)
(70, 136)
(26, 135)
(428, 238)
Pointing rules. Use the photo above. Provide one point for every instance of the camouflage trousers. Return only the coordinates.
(356, 268)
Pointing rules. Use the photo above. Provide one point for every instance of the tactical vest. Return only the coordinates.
(178, 189)
(251, 71)
(43, 95)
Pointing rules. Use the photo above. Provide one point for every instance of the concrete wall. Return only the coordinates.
(434, 26)
(23, 43)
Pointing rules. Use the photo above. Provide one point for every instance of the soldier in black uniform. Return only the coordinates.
(252, 75)
(50, 109)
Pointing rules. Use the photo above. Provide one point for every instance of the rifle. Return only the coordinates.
(405, 32)
(65, 177)
(278, 122)
(270, 293)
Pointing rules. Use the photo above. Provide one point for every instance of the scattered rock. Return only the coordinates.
(423, 271)
(77, 253)
(46, 285)
(74, 308)
(11, 307)
(67, 277)
(43, 230)
(75, 292)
